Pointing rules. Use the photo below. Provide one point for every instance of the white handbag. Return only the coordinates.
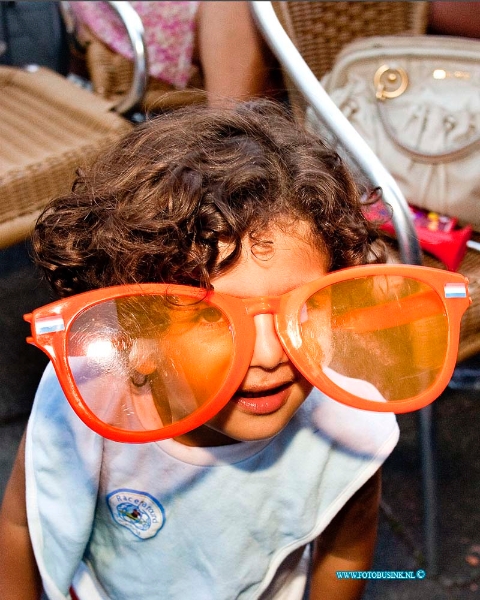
(416, 101)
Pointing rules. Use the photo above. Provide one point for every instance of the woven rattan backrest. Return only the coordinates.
(49, 128)
(111, 75)
(321, 29)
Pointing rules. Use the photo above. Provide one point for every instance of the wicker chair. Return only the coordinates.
(49, 128)
(111, 75)
(321, 30)
(114, 77)
(306, 37)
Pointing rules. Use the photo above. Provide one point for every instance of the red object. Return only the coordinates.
(436, 233)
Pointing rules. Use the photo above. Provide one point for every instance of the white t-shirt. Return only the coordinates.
(164, 521)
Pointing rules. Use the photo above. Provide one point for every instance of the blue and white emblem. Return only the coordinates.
(139, 512)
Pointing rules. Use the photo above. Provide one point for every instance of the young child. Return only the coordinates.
(271, 486)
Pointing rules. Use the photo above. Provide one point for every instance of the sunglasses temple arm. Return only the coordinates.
(390, 314)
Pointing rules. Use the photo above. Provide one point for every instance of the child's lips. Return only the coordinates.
(263, 401)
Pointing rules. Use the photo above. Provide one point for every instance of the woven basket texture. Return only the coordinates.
(111, 75)
(49, 128)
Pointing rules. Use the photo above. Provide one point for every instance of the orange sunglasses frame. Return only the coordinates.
(50, 325)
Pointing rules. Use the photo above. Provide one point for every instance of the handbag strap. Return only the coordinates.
(454, 153)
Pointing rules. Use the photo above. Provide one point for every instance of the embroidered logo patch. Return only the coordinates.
(139, 512)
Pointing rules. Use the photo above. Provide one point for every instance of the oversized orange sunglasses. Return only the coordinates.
(145, 362)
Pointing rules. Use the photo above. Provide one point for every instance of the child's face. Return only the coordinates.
(273, 389)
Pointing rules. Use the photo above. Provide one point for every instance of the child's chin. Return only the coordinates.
(251, 427)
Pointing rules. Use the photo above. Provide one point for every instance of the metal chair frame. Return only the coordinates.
(143, 94)
(136, 34)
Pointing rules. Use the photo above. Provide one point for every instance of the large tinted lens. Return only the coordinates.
(143, 362)
(389, 333)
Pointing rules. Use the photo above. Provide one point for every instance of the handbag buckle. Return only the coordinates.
(390, 82)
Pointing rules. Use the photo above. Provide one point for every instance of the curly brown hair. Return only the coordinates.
(156, 206)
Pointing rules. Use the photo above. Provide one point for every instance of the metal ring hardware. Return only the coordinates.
(390, 82)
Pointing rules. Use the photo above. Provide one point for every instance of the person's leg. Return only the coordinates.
(235, 60)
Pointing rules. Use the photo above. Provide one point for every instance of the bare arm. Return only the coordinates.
(347, 544)
(19, 577)
(235, 60)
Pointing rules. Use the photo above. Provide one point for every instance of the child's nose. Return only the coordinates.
(268, 352)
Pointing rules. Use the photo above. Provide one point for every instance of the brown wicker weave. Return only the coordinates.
(111, 75)
(321, 29)
(49, 127)
(470, 332)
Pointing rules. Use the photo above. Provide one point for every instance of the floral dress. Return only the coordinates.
(169, 34)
